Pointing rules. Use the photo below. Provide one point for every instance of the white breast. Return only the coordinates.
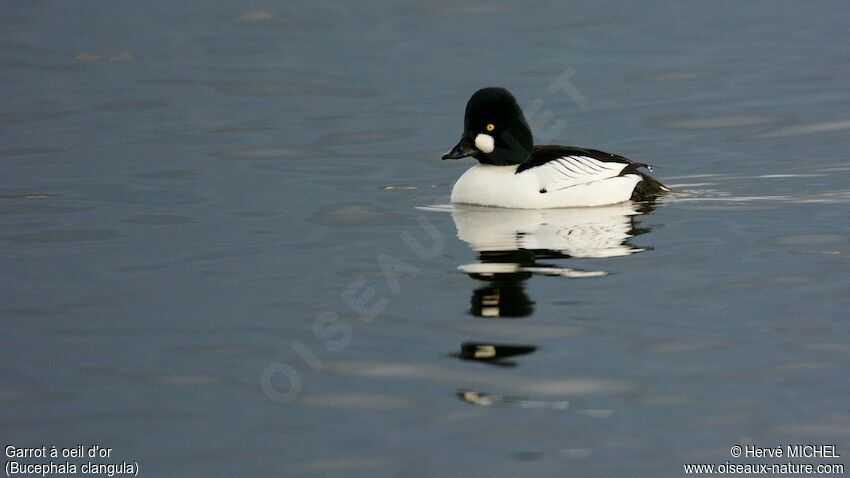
(565, 182)
(490, 185)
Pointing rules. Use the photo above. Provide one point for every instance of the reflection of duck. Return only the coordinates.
(495, 354)
(510, 242)
(576, 232)
(482, 399)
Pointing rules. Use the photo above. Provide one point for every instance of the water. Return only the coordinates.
(225, 248)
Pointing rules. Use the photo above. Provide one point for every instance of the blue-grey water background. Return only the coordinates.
(193, 196)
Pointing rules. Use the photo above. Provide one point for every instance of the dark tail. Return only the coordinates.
(648, 188)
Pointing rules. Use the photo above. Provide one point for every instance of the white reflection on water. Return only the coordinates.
(577, 232)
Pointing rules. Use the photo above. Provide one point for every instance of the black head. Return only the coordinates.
(494, 129)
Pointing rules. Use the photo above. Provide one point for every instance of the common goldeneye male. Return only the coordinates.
(514, 173)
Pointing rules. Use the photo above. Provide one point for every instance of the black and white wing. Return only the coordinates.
(561, 167)
(570, 171)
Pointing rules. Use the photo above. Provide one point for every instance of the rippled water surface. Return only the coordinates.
(226, 250)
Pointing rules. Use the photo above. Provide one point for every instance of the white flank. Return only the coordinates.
(573, 181)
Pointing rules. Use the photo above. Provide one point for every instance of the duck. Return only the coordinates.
(513, 172)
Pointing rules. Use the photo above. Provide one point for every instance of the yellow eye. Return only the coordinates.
(491, 127)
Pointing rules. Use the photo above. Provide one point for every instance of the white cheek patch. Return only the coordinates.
(485, 143)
